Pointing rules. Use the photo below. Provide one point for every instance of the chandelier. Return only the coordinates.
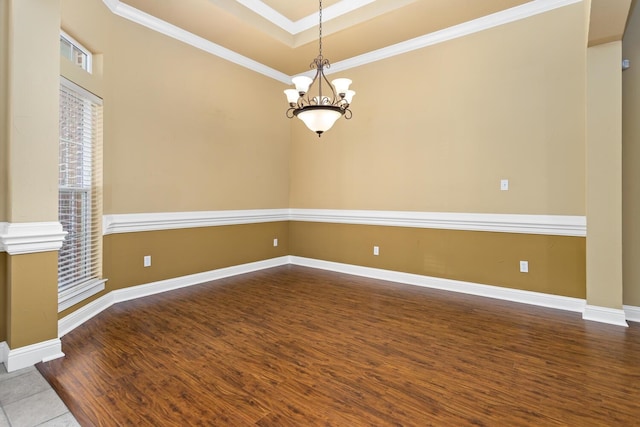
(317, 102)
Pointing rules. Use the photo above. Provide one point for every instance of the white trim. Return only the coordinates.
(31, 237)
(82, 91)
(608, 315)
(75, 294)
(631, 313)
(560, 225)
(77, 318)
(524, 11)
(295, 27)
(84, 313)
(133, 223)
(3, 228)
(517, 13)
(139, 17)
(75, 43)
(514, 295)
(4, 352)
(31, 354)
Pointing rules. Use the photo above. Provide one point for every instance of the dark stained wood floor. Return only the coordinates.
(292, 346)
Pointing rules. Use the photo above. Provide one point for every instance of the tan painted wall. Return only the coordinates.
(32, 298)
(604, 176)
(33, 116)
(631, 162)
(3, 296)
(184, 130)
(556, 263)
(181, 252)
(436, 129)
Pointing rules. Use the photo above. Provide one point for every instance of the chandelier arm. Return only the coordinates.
(347, 113)
(334, 97)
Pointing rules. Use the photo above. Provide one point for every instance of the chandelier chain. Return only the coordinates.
(320, 26)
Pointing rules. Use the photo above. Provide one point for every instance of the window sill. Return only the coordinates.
(76, 294)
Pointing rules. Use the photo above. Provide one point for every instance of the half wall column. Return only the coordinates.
(604, 184)
(32, 235)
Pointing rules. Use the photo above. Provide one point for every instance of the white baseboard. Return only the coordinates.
(631, 313)
(605, 315)
(84, 313)
(31, 354)
(514, 295)
(78, 317)
(4, 352)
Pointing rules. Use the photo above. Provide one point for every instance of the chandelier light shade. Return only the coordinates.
(316, 101)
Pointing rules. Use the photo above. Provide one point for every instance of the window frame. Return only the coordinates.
(75, 44)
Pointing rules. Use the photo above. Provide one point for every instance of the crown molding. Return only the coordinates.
(517, 13)
(31, 237)
(139, 17)
(526, 10)
(295, 27)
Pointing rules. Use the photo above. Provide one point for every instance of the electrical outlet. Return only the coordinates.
(504, 184)
(275, 242)
(376, 250)
(524, 266)
(147, 261)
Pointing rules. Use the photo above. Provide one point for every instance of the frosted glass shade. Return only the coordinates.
(302, 83)
(341, 85)
(349, 95)
(319, 119)
(292, 95)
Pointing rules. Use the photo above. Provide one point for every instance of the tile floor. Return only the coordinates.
(27, 400)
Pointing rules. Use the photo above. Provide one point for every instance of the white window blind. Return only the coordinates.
(80, 195)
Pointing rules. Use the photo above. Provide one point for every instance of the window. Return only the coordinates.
(75, 52)
(79, 195)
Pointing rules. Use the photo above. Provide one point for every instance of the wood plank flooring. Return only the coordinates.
(292, 346)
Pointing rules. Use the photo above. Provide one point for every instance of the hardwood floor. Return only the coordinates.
(292, 346)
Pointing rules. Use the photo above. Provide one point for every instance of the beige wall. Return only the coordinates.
(184, 130)
(604, 176)
(556, 263)
(4, 44)
(181, 252)
(32, 298)
(436, 129)
(30, 163)
(3, 296)
(631, 162)
(33, 116)
(177, 139)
